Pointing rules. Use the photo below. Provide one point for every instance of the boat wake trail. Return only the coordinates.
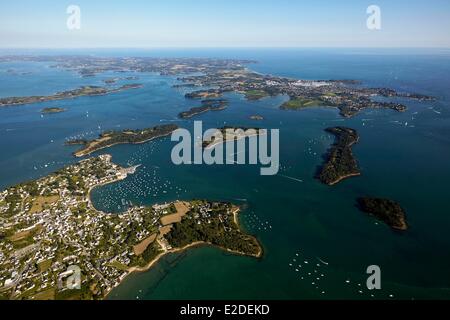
(291, 178)
(321, 261)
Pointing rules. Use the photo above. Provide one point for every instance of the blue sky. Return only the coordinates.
(224, 23)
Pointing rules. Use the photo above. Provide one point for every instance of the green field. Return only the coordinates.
(300, 103)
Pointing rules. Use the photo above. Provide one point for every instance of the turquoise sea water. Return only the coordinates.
(404, 156)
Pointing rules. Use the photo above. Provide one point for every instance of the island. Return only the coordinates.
(52, 110)
(207, 105)
(204, 94)
(110, 138)
(297, 103)
(227, 134)
(385, 210)
(50, 229)
(348, 106)
(339, 161)
(86, 91)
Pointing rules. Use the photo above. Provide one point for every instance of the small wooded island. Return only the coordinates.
(52, 110)
(340, 162)
(297, 103)
(255, 95)
(111, 138)
(388, 211)
(207, 105)
(217, 77)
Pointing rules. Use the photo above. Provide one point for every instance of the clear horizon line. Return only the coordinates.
(224, 47)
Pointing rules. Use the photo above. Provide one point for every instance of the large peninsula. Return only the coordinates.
(87, 91)
(49, 226)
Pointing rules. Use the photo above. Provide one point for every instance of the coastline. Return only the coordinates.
(344, 178)
(81, 153)
(225, 141)
(88, 196)
(153, 262)
(192, 115)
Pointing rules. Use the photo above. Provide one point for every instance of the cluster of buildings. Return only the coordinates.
(49, 225)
